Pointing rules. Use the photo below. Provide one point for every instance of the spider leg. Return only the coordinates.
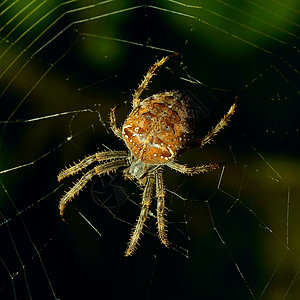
(136, 96)
(82, 164)
(99, 157)
(78, 186)
(211, 134)
(137, 230)
(113, 123)
(81, 183)
(160, 211)
(193, 170)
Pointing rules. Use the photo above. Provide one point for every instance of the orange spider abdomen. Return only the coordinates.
(159, 127)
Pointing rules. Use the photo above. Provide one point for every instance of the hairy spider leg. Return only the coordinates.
(223, 123)
(160, 194)
(85, 162)
(81, 183)
(193, 170)
(77, 187)
(151, 72)
(136, 96)
(160, 211)
(113, 123)
(137, 230)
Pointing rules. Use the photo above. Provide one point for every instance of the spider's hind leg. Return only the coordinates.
(113, 123)
(151, 72)
(223, 123)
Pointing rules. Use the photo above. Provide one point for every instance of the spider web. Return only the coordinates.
(234, 233)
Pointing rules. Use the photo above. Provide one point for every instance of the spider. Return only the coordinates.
(155, 132)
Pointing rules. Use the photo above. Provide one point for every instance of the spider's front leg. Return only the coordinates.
(137, 230)
(160, 211)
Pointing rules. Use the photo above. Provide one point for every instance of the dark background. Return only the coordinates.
(234, 233)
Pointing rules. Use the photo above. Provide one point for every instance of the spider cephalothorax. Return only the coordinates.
(156, 131)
